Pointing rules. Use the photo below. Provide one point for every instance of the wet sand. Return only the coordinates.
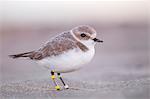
(43, 89)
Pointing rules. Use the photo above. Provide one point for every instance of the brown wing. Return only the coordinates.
(56, 46)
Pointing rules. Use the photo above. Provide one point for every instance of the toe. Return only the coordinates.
(57, 87)
(66, 87)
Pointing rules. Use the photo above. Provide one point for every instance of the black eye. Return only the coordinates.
(83, 35)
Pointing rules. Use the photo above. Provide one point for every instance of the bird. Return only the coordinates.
(66, 52)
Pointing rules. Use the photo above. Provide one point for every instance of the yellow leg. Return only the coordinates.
(57, 87)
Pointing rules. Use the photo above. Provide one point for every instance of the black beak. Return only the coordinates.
(97, 40)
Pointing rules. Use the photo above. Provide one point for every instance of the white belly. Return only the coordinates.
(69, 61)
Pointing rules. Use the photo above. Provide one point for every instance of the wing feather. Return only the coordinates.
(56, 46)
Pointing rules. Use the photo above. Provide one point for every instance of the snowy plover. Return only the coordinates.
(66, 52)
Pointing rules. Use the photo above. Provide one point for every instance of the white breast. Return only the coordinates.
(69, 61)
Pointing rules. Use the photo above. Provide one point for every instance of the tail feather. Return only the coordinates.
(27, 54)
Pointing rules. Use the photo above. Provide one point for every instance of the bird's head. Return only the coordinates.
(85, 34)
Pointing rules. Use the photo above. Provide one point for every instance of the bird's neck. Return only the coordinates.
(88, 43)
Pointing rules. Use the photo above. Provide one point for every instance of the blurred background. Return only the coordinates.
(123, 25)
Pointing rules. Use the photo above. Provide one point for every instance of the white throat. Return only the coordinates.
(89, 43)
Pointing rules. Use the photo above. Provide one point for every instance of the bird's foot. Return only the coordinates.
(57, 87)
(66, 87)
